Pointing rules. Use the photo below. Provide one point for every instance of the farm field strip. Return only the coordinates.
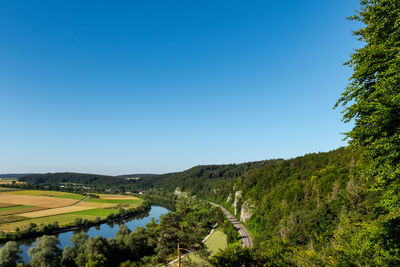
(2, 205)
(10, 218)
(6, 189)
(55, 211)
(20, 208)
(9, 181)
(94, 205)
(114, 201)
(44, 193)
(95, 212)
(20, 211)
(105, 196)
(14, 207)
(62, 219)
(40, 201)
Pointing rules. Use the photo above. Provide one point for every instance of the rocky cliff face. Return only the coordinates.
(229, 198)
(245, 211)
(238, 194)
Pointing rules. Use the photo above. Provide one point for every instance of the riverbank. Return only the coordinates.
(52, 229)
(105, 230)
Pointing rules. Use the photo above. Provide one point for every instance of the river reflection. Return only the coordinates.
(106, 230)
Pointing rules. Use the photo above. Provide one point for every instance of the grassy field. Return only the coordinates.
(24, 210)
(115, 201)
(5, 189)
(19, 208)
(217, 241)
(95, 212)
(62, 219)
(10, 218)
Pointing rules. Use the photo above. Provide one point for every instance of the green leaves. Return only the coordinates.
(372, 99)
(46, 252)
(9, 254)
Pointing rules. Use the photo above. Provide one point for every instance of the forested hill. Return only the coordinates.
(136, 175)
(200, 178)
(70, 177)
(14, 175)
(302, 206)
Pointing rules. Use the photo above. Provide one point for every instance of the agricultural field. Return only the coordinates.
(7, 189)
(10, 181)
(20, 208)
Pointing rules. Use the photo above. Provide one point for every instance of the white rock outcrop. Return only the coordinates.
(229, 198)
(238, 194)
(245, 211)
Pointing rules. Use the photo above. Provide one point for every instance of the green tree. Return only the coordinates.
(372, 99)
(68, 257)
(177, 233)
(46, 252)
(138, 244)
(233, 257)
(9, 254)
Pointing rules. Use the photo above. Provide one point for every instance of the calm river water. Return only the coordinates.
(105, 230)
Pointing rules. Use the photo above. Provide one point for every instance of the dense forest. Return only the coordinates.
(135, 175)
(297, 210)
(73, 178)
(14, 175)
(200, 178)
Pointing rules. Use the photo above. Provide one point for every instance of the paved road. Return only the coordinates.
(247, 240)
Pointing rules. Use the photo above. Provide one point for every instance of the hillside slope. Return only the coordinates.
(297, 206)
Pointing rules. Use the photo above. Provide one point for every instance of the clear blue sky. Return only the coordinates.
(120, 87)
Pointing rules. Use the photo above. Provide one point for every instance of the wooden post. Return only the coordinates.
(179, 254)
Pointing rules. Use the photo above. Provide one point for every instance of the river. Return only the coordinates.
(106, 230)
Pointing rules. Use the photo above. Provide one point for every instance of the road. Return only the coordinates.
(247, 240)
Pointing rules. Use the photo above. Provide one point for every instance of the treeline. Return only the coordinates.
(135, 175)
(70, 177)
(15, 175)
